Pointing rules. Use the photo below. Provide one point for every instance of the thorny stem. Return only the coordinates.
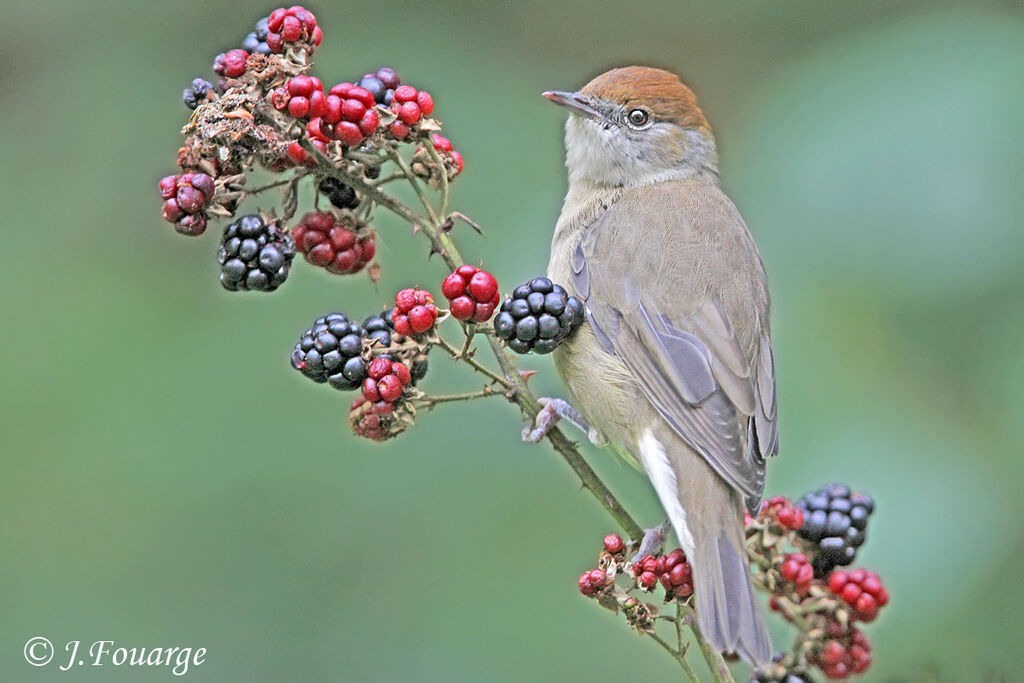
(429, 402)
(519, 393)
(473, 363)
(677, 655)
(719, 669)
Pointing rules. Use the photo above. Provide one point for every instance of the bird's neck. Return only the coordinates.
(593, 171)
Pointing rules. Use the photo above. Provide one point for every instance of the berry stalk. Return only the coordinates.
(519, 393)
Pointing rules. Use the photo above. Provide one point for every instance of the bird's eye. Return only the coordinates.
(637, 118)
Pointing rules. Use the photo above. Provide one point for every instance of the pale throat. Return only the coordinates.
(600, 158)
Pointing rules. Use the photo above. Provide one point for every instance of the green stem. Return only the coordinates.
(676, 655)
(716, 664)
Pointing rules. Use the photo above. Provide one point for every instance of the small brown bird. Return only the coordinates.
(674, 367)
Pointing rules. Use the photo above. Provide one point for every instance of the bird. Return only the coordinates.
(673, 367)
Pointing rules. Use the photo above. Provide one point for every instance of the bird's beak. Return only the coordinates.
(574, 102)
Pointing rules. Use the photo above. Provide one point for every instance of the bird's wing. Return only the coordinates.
(660, 314)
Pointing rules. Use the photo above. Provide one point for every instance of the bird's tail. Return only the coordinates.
(707, 518)
(728, 612)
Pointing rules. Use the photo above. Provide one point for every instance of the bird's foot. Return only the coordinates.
(556, 409)
(653, 542)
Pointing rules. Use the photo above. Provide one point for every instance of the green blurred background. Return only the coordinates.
(167, 479)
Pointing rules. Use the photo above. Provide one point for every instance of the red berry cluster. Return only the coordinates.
(334, 243)
(409, 106)
(844, 652)
(351, 114)
(292, 25)
(472, 294)
(414, 312)
(444, 146)
(185, 196)
(303, 97)
(672, 570)
(784, 511)
(862, 590)
(613, 544)
(593, 582)
(230, 64)
(374, 420)
(386, 380)
(797, 570)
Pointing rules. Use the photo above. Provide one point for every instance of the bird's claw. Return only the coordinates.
(652, 543)
(553, 410)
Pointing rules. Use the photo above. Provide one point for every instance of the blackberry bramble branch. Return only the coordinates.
(266, 114)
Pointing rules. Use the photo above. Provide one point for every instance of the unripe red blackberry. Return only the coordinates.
(840, 656)
(537, 317)
(862, 590)
(472, 294)
(386, 379)
(835, 523)
(593, 582)
(230, 64)
(254, 255)
(185, 197)
(797, 570)
(302, 97)
(293, 26)
(338, 243)
(379, 421)
(786, 514)
(414, 312)
(331, 351)
(613, 544)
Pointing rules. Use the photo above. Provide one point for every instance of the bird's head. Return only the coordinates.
(634, 126)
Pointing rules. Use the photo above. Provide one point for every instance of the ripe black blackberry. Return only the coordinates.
(254, 255)
(330, 351)
(538, 316)
(195, 93)
(835, 522)
(786, 676)
(257, 40)
(338, 193)
(377, 328)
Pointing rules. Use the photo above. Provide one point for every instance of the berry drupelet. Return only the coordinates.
(538, 316)
(196, 93)
(472, 294)
(257, 40)
(254, 255)
(331, 351)
(335, 243)
(339, 194)
(835, 523)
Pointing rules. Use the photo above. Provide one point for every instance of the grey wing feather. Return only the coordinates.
(693, 370)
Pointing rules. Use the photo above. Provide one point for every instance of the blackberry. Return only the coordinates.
(835, 523)
(257, 40)
(195, 94)
(375, 86)
(330, 351)
(377, 328)
(538, 316)
(254, 255)
(338, 193)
